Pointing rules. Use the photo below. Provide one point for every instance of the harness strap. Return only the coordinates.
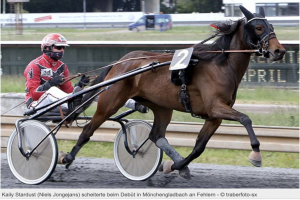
(231, 51)
(66, 79)
(256, 18)
(144, 57)
(211, 37)
(184, 97)
(14, 107)
(62, 116)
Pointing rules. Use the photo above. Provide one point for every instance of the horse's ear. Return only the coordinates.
(246, 12)
(262, 11)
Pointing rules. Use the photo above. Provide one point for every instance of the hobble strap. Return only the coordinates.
(184, 98)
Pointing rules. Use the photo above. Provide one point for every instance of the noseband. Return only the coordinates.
(263, 43)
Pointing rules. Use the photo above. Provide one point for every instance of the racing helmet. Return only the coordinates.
(53, 39)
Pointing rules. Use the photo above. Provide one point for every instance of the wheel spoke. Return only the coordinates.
(146, 162)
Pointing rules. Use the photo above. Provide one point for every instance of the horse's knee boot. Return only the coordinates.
(163, 144)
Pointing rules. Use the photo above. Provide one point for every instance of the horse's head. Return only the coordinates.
(259, 33)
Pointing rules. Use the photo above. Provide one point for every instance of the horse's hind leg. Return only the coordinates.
(162, 117)
(106, 108)
(208, 129)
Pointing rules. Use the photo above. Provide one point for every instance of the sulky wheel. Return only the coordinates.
(146, 161)
(40, 165)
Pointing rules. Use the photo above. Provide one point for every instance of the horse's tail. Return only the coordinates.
(97, 80)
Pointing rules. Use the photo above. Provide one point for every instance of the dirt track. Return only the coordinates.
(103, 173)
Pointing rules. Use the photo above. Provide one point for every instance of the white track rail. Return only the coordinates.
(279, 139)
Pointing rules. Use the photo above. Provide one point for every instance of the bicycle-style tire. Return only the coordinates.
(42, 162)
(146, 162)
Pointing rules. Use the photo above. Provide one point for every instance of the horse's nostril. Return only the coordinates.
(279, 52)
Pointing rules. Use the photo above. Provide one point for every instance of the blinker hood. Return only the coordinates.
(252, 21)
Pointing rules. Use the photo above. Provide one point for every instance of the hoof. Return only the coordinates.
(255, 158)
(68, 165)
(60, 157)
(185, 173)
(68, 160)
(166, 167)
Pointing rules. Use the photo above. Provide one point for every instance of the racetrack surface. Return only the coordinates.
(103, 173)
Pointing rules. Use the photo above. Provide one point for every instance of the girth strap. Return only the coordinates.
(184, 97)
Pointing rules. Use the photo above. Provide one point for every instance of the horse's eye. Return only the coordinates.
(258, 28)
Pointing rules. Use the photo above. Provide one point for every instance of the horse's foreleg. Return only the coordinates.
(208, 129)
(226, 112)
(255, 156)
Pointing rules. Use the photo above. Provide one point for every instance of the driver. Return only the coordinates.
(45, 77)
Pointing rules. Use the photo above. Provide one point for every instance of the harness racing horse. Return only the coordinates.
(212, 90)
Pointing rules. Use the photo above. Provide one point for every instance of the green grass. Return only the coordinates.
(267, 96)
(12, 84)
(212, 156)
(180, 33)
(287, 33)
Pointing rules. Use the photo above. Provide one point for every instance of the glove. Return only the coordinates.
(83, 81)
(56, 80)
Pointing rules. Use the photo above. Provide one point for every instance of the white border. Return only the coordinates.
(126, 42)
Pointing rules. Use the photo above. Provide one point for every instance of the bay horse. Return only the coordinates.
(214, 83)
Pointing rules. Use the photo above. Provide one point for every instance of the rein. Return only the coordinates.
(110, 65)
(13, 107)
(147, 57)
(66, 79)
(232, 51)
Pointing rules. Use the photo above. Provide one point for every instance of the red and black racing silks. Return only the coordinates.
(38, 73)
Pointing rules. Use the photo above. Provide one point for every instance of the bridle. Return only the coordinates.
(263, 43)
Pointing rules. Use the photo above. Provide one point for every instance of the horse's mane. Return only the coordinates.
(226, 33)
